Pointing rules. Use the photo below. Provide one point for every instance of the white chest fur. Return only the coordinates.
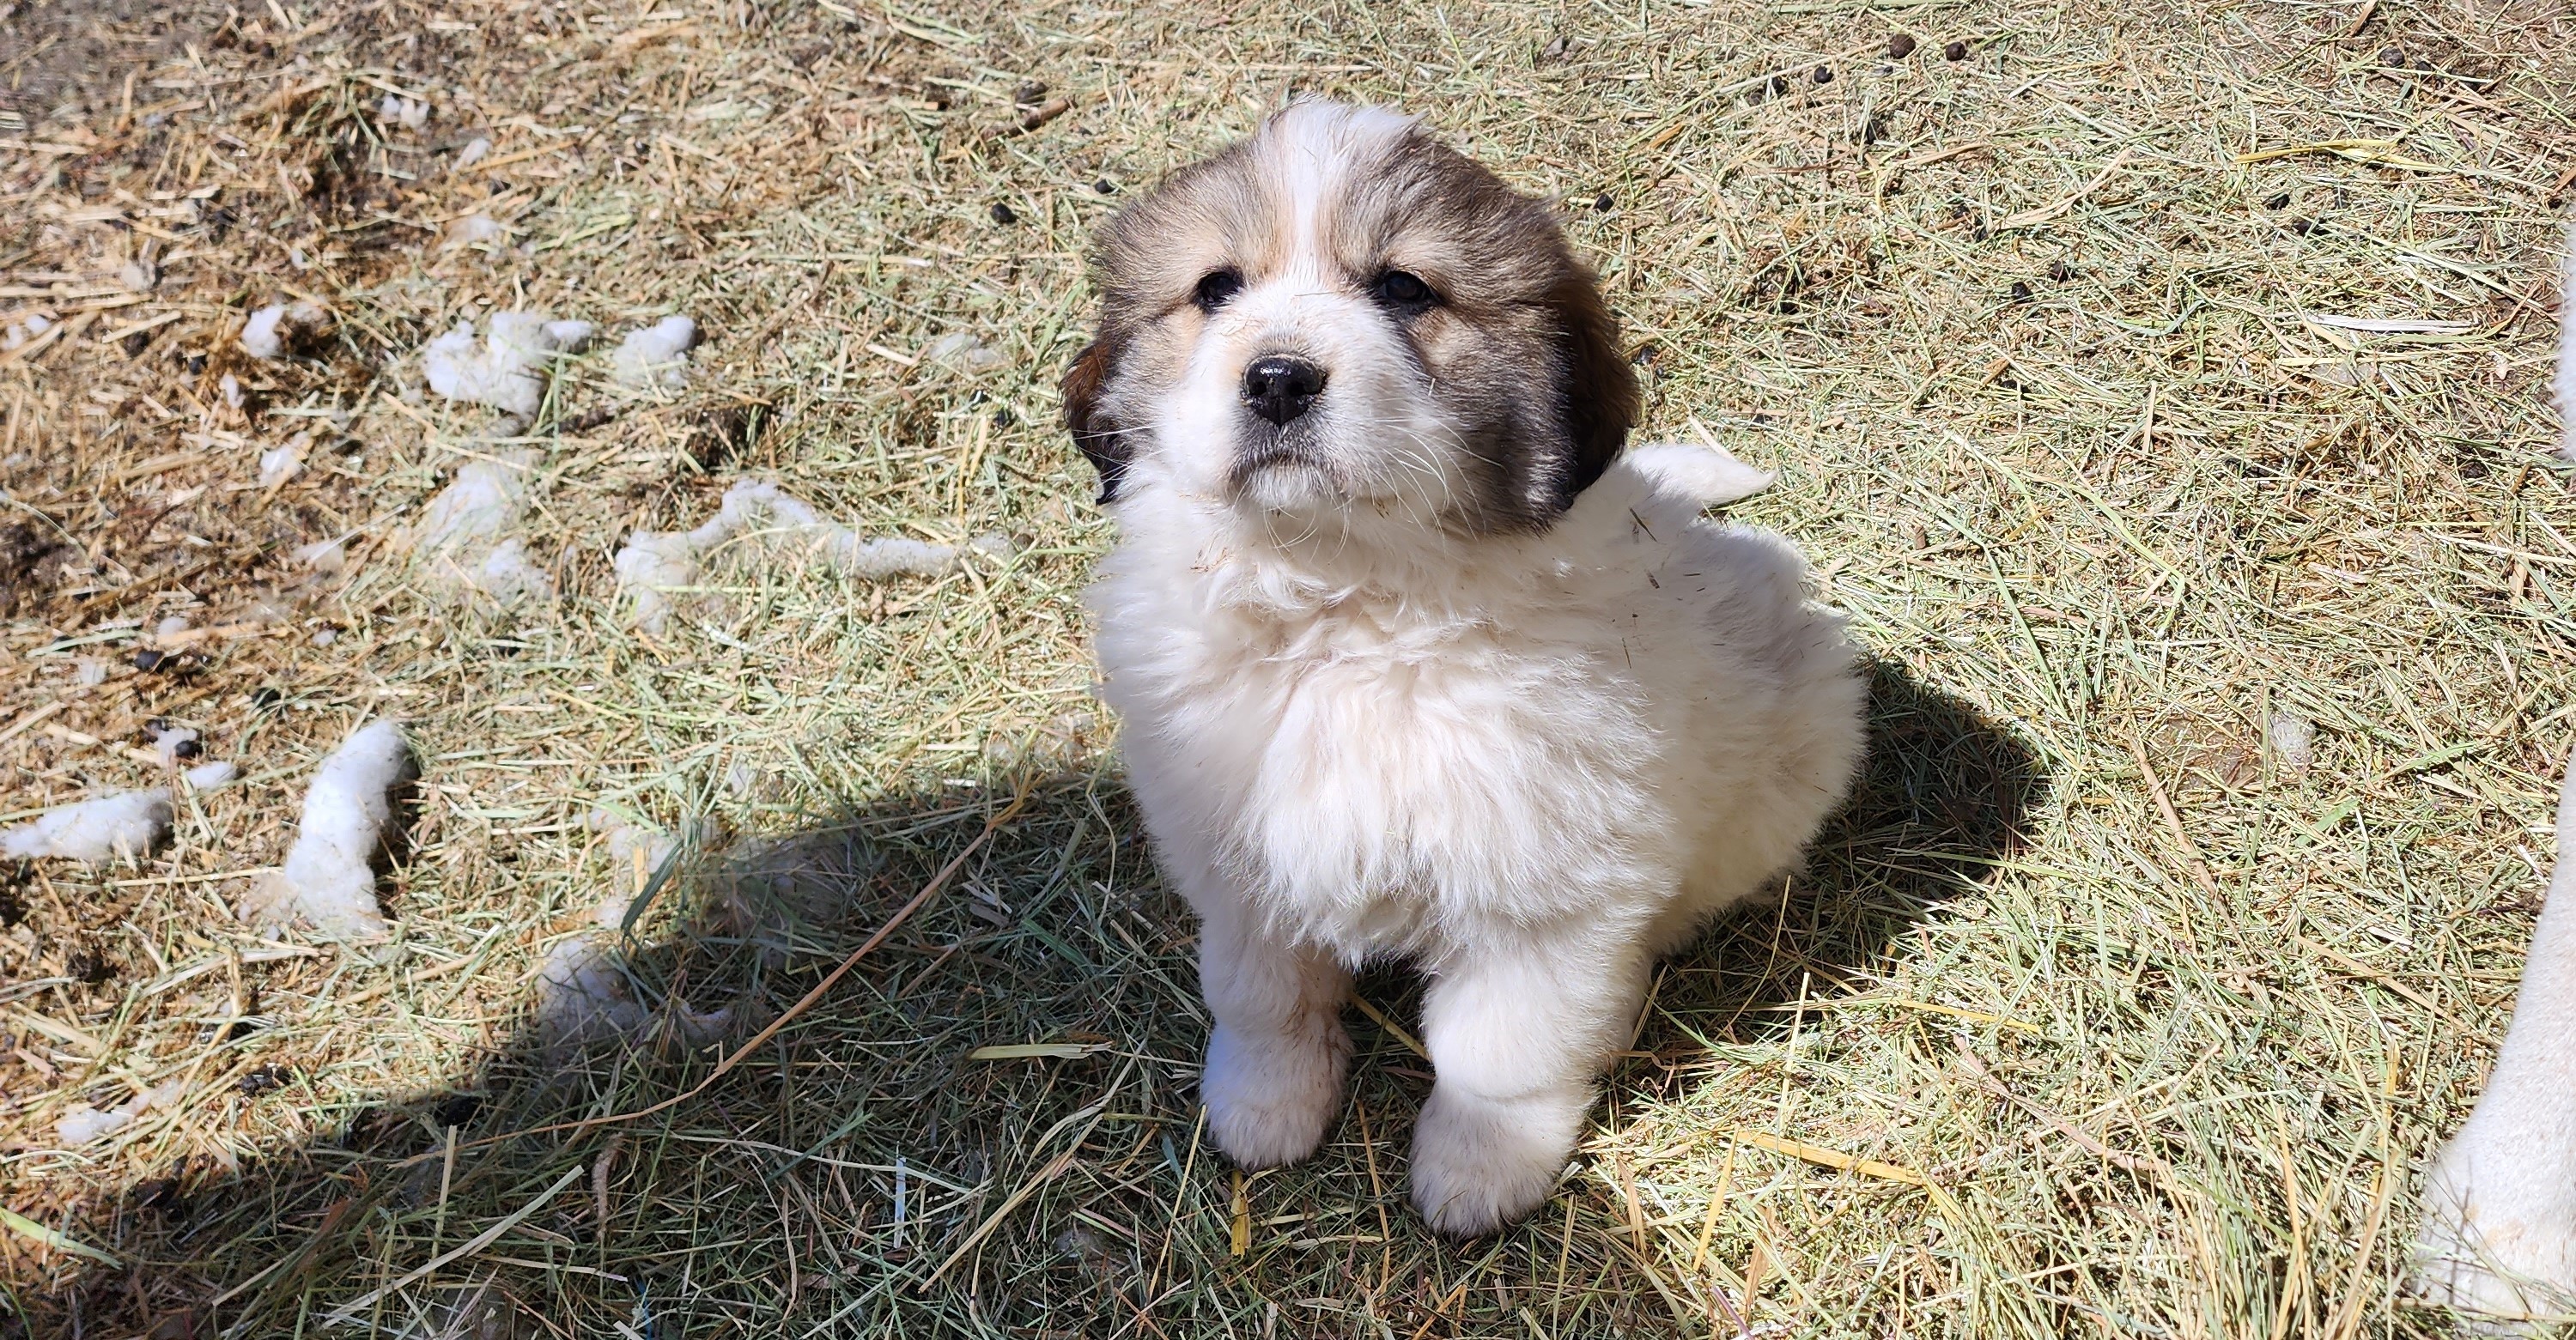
(1394, 773)
(1389, 787)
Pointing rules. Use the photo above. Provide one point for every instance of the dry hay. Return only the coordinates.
(2116, 1004)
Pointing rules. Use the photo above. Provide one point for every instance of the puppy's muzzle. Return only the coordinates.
(1280, 388)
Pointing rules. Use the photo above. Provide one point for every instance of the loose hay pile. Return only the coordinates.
(2162, 388)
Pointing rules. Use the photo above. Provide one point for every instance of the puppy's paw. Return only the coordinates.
(1479, 1165)
(2499, 1235)
(1271, 1099)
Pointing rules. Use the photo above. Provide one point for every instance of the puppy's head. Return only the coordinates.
(1342, 317)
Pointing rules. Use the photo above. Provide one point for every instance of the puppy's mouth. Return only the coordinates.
(1266, 448)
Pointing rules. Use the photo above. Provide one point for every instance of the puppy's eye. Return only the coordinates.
(1215, 288)
(1400, 288)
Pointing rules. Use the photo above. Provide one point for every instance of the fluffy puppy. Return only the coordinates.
(1411, 660)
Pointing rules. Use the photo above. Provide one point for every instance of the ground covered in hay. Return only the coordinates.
(2161, 387)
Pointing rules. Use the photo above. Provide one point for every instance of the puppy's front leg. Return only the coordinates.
(1273, 1079)
(1518, 1036)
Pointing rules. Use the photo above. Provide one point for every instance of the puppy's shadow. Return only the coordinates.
(884, 1136)
(1945, 794)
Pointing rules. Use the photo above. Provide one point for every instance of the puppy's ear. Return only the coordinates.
(1099, 437)
(1597, 396)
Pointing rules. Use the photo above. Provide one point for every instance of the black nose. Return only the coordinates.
(1279, 388)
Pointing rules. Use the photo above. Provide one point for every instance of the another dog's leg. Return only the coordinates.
(1273, 1080)
(1518, 1037)
(2499, 1232)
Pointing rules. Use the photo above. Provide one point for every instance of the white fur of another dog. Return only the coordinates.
(2499, 1234)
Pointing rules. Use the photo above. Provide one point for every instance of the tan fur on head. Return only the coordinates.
(1486, 406)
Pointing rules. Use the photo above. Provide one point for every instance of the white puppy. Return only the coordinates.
(2499, 1232)
(1411, 660)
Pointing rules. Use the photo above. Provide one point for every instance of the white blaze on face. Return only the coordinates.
(1373, 435)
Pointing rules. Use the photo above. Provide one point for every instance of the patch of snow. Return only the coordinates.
(275, 329)
(2293, 740)
(328, 879)
(479, 507)
(960, 349)
(167, 744)
(585, 998)
(506, 368)
(468, 537)
(655, 356)
(83, 1124)
(408, 113)
(280, 464)
(475, 151)
(96, 831)
(208, 776)
(635, 852)
(327, 557)
(654, 566)
(230, 386)
(91, 673)
(473, 230)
